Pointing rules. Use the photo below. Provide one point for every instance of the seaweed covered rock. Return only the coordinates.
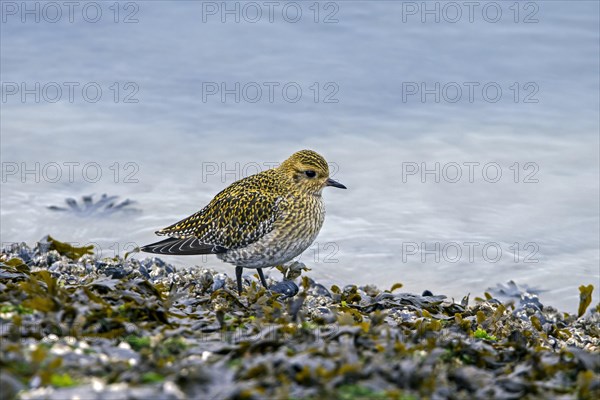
(74, 325)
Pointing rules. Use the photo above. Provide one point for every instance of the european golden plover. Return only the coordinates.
(260, 221)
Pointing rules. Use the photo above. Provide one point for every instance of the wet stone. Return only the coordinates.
(286, 288)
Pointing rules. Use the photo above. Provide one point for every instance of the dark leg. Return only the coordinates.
(262, 277)
(238, 276)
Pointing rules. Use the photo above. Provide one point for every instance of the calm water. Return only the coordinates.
(469, 147)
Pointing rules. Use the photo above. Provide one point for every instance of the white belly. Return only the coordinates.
(266, 252)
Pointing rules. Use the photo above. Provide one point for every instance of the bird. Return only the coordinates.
(263, 220)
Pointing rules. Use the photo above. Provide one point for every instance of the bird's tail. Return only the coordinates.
(182, 246)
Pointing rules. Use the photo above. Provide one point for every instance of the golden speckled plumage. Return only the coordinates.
(259, 221)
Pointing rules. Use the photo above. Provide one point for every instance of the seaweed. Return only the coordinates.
(73, 324)
(67, 250)
(585, 298)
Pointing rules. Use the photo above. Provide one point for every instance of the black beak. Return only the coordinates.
(331, 182)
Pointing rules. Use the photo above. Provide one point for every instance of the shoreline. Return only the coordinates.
(76, 325)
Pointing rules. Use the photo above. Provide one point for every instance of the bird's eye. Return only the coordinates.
(310, 173)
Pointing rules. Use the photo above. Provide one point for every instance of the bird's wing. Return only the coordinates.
(182, 246)
(234, 218)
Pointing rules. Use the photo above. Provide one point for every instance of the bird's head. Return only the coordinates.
(309, 171)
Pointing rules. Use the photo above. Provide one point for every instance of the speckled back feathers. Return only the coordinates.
(252, 207)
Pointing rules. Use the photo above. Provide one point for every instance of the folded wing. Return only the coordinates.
(233, 219)
(185, 246)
